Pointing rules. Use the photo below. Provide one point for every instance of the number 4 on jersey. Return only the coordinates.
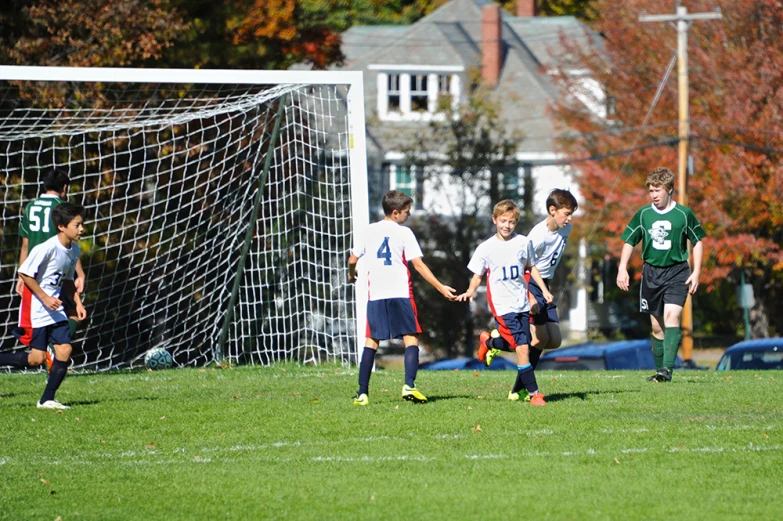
(384, 252)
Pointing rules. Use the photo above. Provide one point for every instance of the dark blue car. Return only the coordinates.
(762, 353)
(623, 354)
(469, 364)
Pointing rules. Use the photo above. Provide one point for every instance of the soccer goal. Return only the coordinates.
(220, 207)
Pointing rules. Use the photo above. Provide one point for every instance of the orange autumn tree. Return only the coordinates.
(736, 103)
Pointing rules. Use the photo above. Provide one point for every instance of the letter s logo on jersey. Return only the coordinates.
(658, 232)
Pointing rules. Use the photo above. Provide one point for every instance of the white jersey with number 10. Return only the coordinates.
(386, 248)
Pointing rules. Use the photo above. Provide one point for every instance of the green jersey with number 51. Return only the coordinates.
(37, 224)
(664, 234)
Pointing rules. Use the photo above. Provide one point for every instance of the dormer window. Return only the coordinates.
(413, 93)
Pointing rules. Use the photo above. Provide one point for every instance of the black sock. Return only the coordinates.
(499, 343)
(534, 356)
(17, 359)
(56, 377)
(365, 370)
(411, 365)
(526, 378)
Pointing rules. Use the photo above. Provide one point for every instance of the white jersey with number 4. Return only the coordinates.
(549, 247)
(386, 248)
(504, 262)
(49, 263)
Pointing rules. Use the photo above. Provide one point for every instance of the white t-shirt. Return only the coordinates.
(549, 247)
(387, 247)
(504, 262)
(50, 263)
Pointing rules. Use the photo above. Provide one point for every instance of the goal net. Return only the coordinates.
(220, 208)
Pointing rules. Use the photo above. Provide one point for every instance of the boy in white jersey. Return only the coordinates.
(504, 258)
(48, 273)
(387, 248)
(549, 239)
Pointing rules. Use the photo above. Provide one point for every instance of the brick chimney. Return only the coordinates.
(526, 8)
(491, 44)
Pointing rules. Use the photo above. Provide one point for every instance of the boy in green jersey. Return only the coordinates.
(664, 228)
(37, 227)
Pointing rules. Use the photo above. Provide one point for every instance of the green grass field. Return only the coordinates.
(287, 443)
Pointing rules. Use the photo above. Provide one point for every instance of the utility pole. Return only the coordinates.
(684, 21)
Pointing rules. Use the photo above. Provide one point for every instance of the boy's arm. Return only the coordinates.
(425, 272)
(693, 280)
(352, 260)
(536, 275)
(50, 303)
(22, 256)
(623, 279)
(69, 286)
(475, 282)
(78, 282)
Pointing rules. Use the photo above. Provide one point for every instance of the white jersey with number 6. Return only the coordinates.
(549, 247)
(504, 262)
(386, 248)
(49, 263)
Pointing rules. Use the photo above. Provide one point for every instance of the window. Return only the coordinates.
(419, 95)
(403, 179)
(394, 92)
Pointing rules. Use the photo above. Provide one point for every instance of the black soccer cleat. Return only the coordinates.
(662, 375)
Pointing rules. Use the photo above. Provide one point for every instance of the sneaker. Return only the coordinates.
(662, 375)
(49, 359)
(51, 404)
(412, 394)
(513, 397)
(537, 400)
(491, 354)
(361, 399)
(482, 351)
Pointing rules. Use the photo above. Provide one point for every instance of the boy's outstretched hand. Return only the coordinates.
(448, 292)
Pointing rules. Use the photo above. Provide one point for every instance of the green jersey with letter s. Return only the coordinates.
(664, 234)
(37, 224)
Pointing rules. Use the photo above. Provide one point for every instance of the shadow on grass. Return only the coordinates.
(582, 395)
(431, 398)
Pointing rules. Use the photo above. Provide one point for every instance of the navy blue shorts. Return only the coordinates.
(546, 312)
(40, 337)
(514, 328)
(392, 318)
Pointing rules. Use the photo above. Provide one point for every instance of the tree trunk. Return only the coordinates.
(759, 318)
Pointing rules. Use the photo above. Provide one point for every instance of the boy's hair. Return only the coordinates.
(55, 180)
(395, 200)
(661, 177)
(560, 198)
(64, 213)
(504, 206)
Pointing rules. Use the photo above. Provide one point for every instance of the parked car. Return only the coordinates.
(469, 364)
(762, 353)
(623, 354)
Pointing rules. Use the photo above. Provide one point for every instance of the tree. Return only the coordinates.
(583, 9)
(467, 157)
(87, 33)
(736, 70)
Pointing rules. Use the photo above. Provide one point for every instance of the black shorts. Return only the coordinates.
(514, 328)
(40, 337)
(663, 286)
(392, 318)
(546, 312)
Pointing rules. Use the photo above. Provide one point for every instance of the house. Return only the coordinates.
(408, 68)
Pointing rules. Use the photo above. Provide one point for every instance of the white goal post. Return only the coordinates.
(221, 206)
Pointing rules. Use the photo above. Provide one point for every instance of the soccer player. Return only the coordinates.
(48, 274)
(36, 227)
(388, 247)
(664, 228)
(549, 239)
(504, 258)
